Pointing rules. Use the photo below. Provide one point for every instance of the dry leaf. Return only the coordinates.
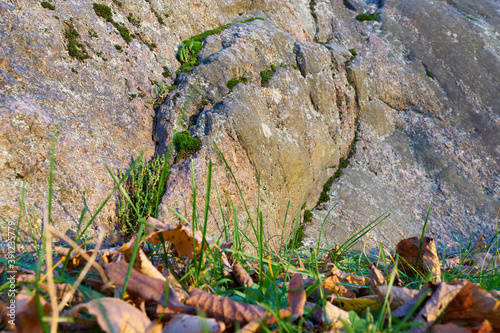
(449, 328)
(376, 275)
(241, 275)
(408, 306)
(296, 295)
(27, 318)
(428, 261)
(347, 277)
(486, 260)
(479, 245)
(398, 295)
(332, 286)
(434, 307)
(358, 305)
(332, 313)
(180, 236)
(122, 317)
(224, 308)
(472, 306)
(193, 324)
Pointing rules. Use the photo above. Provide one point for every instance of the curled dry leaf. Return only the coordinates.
(332, 286)
(61, 290)
(180, 236)
(377, 276)
(434, 307)
(224, 308)
(296, 295)
(193, 324)
(113, 315)
(397, 297)
(241, 275)
(408, 306)
(358, 305)
(479, 245)
(472, 306)
(27, 318)
(329, 316)
(347, 277)
(427, 261)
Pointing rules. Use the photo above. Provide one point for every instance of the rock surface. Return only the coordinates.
(424, 82)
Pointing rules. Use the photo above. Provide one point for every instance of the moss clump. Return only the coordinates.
(307, 216)
(353, 52)
(105, 12)
(188, 53)
(118, 48)
(185, 144)
(294, 48)
(266, 76)
(273, 67)
(134, 21)
(166, 73)
(368, 17)
(252, 19)
(312, 6)
(429, 73)
(144, 185)
(233, 82)
(48, 5)
(75, 49)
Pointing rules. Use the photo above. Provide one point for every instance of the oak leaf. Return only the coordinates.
(424, 259)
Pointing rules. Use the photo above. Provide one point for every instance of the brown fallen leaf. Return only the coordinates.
(434, 307)
(376, 275)
(428, 261)
(348, 277)
(180, 236)
(296, 295)
(328, 316)
(397, 297)
(141, 262)
(193, 324)
(332, 286)
(27, 318)
(224, 308)
(405, 308)
(113, 315)
(479, 245)
(449, 328)
(241, 275)
(472, 306)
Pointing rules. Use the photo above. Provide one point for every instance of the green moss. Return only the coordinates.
(205, 102)
(134, 21)
(368, 17)
(185, 144)
(166, 73)
(429, 73)
(252, 19)
(312, 6)
(470, 17)
(233, 82)
(273, 67)
(284, 65)
(119, 48)
(48, 5)
(294, 47)
(353, 52)
(152, 46)
(75, 49)
(144, 184)
(105, 12)
(307, 216)
(265, 76)
(188, 52)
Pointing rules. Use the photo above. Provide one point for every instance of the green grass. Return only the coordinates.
(145, 185)
(273, 269)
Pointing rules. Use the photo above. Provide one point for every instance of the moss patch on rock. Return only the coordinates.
(75, 49)
(185, 144)
(105, 12)
(48, 5)
(233, 82)
(188, 52)
(368, 17)
(266, 76)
